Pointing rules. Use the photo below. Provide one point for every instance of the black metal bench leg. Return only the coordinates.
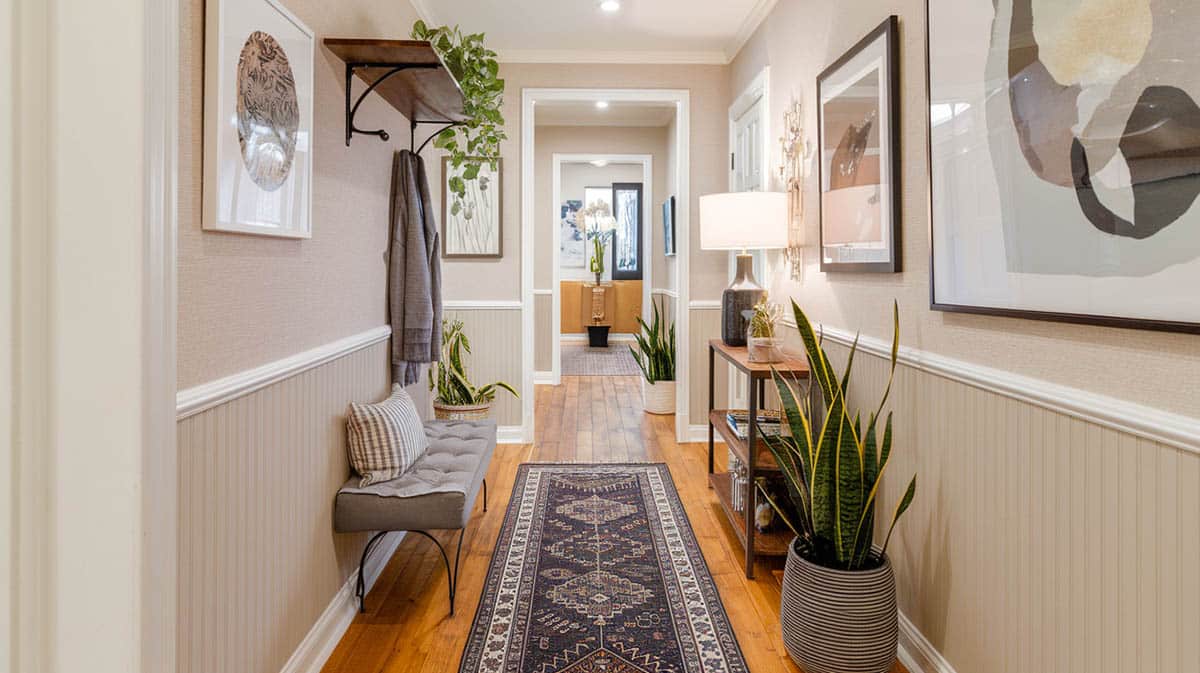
(485, 495)
(451, 573)
(360, 588)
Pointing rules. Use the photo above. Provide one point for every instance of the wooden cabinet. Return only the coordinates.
(623, 301)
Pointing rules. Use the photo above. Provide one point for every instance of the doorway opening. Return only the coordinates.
(597, 298)
(625, 151)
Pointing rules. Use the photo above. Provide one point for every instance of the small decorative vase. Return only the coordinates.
(466, 412)
(839, 621)
(765, 349)
(658, 397)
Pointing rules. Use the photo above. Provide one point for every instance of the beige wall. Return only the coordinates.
(798, 40)
(245, 300)
(709, 87)
(1019, 553)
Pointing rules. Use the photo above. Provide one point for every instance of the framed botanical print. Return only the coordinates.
(472, 229)
(858, 130)
(258, 98)
(1065, 161)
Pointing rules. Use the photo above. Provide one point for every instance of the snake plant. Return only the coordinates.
(833, 475)
(454, 389)
(655, 353)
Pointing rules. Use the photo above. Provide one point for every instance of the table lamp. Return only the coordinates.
(742, 221)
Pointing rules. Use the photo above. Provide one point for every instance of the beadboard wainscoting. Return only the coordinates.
(543, 338)
(494, 328)
(1053, 530)
(264, 582)
(705, 325)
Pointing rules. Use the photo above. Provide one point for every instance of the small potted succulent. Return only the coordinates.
(838, 607)
(762, 341)
(457, 398)
(655, 356)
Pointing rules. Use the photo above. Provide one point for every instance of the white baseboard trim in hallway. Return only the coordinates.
(543, 378)
(510, 434)
(324, 636)
(917, 654)
(699, 434)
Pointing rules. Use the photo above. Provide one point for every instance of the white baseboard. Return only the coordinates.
(699, 433)
(510, 434)
(318, 644)
(543, 378)
(917, 654)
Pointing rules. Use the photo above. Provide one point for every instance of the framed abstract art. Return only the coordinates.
(258, 97)
(1065, 161)
(858, 127)
(668, 224)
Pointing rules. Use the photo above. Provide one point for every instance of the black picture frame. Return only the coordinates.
(617, 272)
(669, 227)
(1024, 314)
(889, 31)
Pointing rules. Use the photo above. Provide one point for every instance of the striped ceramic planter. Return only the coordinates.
(837, 621)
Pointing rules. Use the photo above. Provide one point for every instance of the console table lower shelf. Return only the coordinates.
(771, 543)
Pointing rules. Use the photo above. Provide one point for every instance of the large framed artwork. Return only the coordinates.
(858, 130)
(473, 229)
(627, 239)
(1065, 160)
(258, 98)
(572, 242)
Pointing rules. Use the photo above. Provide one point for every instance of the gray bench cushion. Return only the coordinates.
(437, 493)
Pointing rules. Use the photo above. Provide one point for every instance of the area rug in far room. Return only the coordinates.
(597, 570)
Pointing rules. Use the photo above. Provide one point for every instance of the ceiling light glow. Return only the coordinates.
(601, 105)
(610, 6)
(599, 163)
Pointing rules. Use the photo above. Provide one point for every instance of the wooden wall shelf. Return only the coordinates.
(408, 74)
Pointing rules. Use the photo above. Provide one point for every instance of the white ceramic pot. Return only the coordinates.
(659, 398)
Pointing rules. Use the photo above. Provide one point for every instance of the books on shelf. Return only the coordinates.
(769, 423)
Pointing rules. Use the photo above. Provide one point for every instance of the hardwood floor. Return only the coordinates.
(407, 626)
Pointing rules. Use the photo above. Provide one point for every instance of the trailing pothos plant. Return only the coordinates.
(476, 141)
(833, 474)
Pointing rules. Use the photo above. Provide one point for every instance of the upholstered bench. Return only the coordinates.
(437, 493)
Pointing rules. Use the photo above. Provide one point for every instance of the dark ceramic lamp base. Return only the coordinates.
(739, 297)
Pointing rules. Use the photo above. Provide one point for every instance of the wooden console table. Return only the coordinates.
(751, 451)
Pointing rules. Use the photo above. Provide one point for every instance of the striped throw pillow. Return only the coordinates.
(385, 439)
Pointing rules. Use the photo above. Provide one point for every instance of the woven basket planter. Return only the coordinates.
(838, 621)
(468, 412)
(659, 398)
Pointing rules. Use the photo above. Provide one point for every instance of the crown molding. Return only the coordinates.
(612, 57)
(758, 14)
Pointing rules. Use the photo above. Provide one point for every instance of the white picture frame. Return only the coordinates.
(257, 144)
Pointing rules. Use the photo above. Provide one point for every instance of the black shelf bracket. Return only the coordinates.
(352, 107)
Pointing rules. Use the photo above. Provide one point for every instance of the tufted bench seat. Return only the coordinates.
(437, 493)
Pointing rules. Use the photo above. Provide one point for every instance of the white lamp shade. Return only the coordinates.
(744, 221)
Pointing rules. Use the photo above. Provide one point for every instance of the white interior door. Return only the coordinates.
(748, 128)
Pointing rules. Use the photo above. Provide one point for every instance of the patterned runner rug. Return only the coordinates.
(597, 570)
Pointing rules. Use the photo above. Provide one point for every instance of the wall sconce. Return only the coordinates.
(795, 153)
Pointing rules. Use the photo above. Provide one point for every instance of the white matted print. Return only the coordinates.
(258, 98)
(472, 228)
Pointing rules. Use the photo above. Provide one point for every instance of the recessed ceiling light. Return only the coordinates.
(610, 6)
(599, 163)
(601, 105)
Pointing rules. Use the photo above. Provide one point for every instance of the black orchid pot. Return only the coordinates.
(839, 621)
